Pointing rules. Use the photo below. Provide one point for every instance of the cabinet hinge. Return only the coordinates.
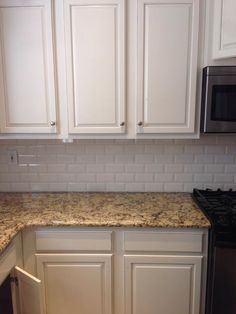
(14, 280)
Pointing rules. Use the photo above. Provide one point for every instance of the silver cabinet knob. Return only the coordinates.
(52, 123)
(140, 123)
(122, 123)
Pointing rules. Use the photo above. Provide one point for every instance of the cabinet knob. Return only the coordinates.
(140, 123)
(122, 123)
(52, 123)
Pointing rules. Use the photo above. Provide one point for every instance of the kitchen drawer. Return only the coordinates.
(163, 241)
(73, 240)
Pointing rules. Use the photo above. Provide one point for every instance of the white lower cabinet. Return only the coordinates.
(76, 283)
(27, 293)
(162, 284)
(119, 271)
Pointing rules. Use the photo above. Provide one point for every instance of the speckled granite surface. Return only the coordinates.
(166, 210)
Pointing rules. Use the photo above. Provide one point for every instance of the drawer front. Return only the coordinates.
(163, 241)
(73, 240)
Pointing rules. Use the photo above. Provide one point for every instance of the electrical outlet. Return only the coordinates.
(13, 157)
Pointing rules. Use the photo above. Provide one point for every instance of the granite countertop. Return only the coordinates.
(165, 210)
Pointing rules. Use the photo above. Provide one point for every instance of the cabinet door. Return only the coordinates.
(76, 283)
(167, 65)
(94, 40)
(224, 29)
(27, 293)
(162, 284)
(27, 91)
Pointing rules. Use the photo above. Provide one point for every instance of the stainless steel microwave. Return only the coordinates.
(218, 110)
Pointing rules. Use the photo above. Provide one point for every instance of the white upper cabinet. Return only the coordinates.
(167, 65)
(27, 86)
(224, 29)
(95, 61)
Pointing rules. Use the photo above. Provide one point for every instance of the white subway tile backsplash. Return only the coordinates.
(57, 187)
(205, 159)
(154, 168)
(19, 187)
(203, 178)
(96, 187)
(103, 159)
(144, 158)
(223, 178)
(5, 187)
(114, 149)
(164, 177)
(119, 165)
(188, 187)
(173, 187)
(37, 187)
(113, 168)
(214, 168)
(215, 149)
(9, 177)
(194, 168)
(115, 187)
(86, 177)
(57, 168)
(94, 168)
(184, 177)
(28, 177)
(135, 168)
(154, 187)
(124, 177)
(225, 159)
(194, 149)
(144, 177)
(105, 177)
(164, 159)
(153, 149)
(184, 159)
(174, 149)
(135, 187)
(85, 159)
(76, 187)
(37, 168)
(48, 177)
(174, 168)
(77, 168)
(230, 168)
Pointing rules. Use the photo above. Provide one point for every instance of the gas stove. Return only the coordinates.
(219, 206)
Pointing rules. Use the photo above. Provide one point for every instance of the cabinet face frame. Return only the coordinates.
(46, 70)
(223, 20)
(188, 125)
(114, 11)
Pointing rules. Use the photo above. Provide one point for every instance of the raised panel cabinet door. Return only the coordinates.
(27, 293)
(167, 65)
(224, 29)
(162, 284)
(76, 283)
(27, 80)
(94, 41)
